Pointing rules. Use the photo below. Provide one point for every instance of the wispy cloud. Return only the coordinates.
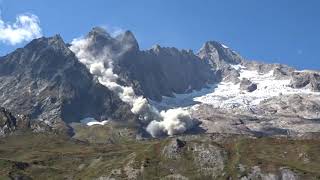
(25, 28)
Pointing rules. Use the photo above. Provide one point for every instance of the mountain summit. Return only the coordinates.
(45, 81)
(163, 90)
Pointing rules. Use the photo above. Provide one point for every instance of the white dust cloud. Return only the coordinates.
(174, 121)
(170, 122)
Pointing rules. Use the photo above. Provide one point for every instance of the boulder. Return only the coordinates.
(247, 85)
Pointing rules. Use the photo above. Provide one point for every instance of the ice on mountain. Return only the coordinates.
(89, 121)
(224, 46)
(229, 95)
(237, 66)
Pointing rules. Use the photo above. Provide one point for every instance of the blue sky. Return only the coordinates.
(283, 31)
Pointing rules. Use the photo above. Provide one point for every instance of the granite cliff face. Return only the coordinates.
(156, 72)
(165, 71)
(45, 81)
(219, 55)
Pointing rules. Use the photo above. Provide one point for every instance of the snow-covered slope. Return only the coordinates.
(229, 95)
(91, 121)
(273, 108)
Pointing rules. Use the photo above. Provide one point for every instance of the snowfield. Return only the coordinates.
(91, 121)
(226, 96)
(229, 95)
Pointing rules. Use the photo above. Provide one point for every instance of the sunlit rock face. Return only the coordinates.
(45, 81)
(105, 57)
(153, 73)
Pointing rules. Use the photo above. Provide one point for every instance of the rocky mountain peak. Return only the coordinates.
(172, 51)
(38, 57)
(156, 48)
(219, 54)
(46, 81)
(210, 46)
(45, 46)
(55, 42)
(56, 39)
(98, 32)
(128, 39)
(100, 40)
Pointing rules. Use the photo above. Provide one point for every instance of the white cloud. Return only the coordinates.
(26, 27)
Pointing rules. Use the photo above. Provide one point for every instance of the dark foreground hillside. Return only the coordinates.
(106, 152)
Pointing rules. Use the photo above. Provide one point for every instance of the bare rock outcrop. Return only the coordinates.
(306, 79)
(247, 85)
(45, 81)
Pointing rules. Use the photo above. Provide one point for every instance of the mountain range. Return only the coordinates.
(99, 80)
(102, 77)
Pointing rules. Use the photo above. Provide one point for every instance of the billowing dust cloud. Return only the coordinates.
(170, 122)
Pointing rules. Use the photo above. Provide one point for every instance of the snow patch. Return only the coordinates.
(224, 46)
(91, 121)
(237, 66)
(307, 71)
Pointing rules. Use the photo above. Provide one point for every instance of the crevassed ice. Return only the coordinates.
(229, 95)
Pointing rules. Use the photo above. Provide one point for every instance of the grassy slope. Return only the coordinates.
(41, 156)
